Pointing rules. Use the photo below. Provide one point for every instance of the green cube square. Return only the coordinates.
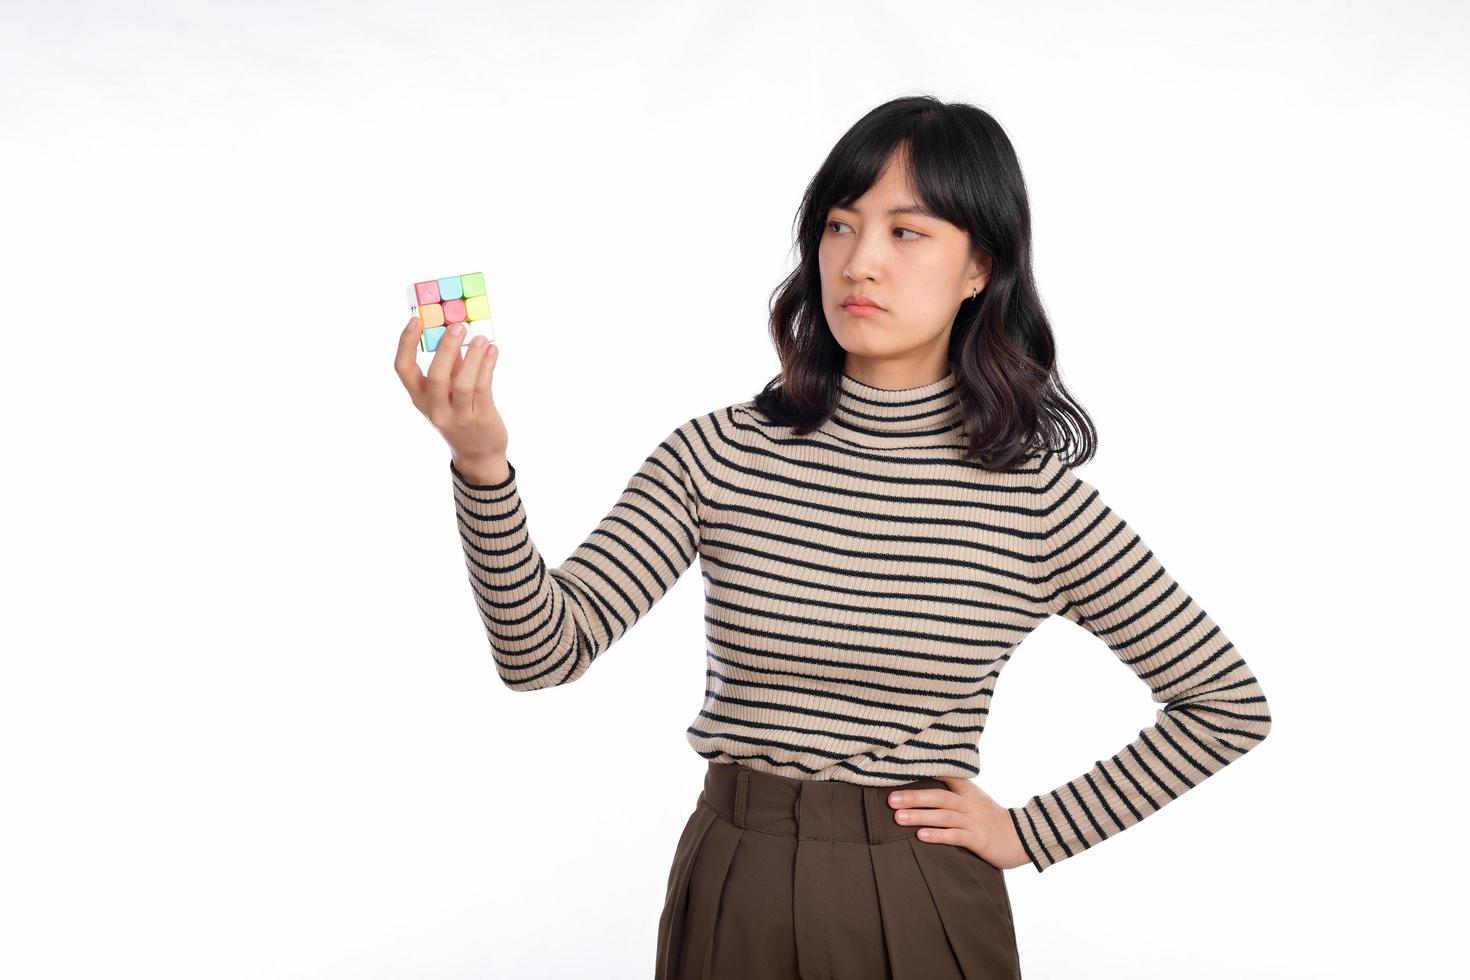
(473, 283)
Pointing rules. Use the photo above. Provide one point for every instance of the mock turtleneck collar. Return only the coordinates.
(928, 409)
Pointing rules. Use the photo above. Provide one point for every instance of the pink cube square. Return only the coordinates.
(428, 292)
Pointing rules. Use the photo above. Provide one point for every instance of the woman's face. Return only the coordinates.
(916, 267)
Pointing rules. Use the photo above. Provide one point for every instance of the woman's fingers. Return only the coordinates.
(442, 371)
(925, 797)
(930, 818)
(456, 393)
(484, 397)
(466, 379)
(406, 365)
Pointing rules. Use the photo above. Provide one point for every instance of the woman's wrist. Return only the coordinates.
(485, 470)
(1011, 849)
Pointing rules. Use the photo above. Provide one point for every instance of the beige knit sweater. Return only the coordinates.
(864, 588)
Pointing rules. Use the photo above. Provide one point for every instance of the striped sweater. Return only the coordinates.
(864, 587)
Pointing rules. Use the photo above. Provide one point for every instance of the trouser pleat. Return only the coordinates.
(706, 894)
(918, 947)
(968, 895)
(672, 921)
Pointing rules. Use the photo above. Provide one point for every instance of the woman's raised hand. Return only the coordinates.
(457, 398)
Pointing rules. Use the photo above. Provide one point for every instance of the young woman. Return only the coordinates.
(879, 528)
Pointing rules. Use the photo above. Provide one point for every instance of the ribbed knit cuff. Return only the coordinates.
(498, 548)
(1022, 821)
(484, 486)
(493, 509)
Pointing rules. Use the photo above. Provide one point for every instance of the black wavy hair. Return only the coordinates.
(963, 167)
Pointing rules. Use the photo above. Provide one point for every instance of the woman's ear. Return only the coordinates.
(980, 269)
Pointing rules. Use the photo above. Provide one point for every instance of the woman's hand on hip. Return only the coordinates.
(964, 815)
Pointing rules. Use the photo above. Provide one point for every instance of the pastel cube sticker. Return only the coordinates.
(440, 303)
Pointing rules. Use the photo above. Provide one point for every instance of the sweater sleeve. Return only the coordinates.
(1097, 572)
(547, 625)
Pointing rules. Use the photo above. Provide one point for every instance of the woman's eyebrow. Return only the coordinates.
(901, 209)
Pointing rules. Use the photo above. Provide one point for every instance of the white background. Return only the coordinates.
(250, 723)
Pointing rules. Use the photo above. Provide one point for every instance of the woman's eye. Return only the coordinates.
(833, 223)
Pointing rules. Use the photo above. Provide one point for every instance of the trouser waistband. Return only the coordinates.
(806, 808)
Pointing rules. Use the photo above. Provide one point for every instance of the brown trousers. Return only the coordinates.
(776, 878)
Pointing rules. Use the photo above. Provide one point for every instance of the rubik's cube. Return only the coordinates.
(454, 299)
